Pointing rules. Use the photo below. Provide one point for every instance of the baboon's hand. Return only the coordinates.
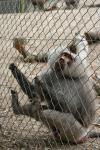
(18, 43)
(12, 66)
(13, 92)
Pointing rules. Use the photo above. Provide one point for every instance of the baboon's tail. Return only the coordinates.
(25, 85)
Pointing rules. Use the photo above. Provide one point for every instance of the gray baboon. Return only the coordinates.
(66, 88)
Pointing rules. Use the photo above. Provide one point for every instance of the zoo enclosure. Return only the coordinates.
(43, 31)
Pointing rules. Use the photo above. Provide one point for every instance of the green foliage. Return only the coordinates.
(22, 6)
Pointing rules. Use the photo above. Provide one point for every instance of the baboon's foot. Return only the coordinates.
(15, 103)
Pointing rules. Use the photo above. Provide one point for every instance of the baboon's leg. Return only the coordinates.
(30, 109)
(63, 125)
(25, 85)
(66, 127)
(15, 104)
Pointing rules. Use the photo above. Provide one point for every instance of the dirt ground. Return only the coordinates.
(43, 31)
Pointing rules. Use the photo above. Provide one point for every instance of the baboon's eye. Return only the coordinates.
(69, 56)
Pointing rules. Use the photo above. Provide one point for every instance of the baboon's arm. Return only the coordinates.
(20, 43)
(25, 85)
(30, 109)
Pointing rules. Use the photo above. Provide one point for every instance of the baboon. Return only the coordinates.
(51, 4)
(67, 91)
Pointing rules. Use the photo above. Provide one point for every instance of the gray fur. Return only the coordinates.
(70, 98)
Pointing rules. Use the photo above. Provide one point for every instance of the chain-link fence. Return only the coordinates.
(52, 41)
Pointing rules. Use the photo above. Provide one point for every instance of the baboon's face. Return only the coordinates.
(71, 63)
(65, 61)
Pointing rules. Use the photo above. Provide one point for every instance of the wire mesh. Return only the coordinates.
(39, 27)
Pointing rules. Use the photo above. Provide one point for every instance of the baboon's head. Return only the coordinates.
(72, 61)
